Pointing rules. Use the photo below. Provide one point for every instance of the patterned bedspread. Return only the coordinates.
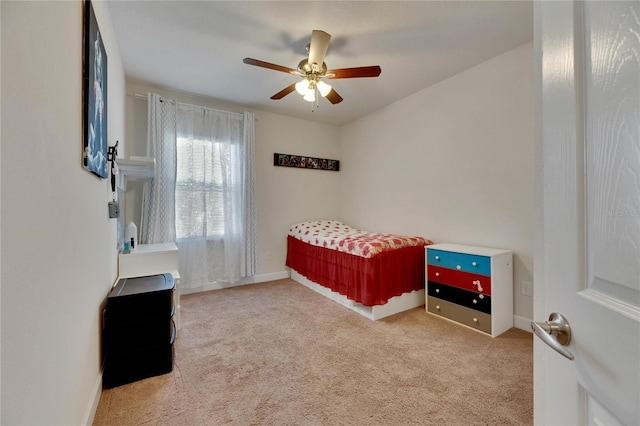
(336, 235)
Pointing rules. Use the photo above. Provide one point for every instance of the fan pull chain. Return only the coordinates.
(315, 88)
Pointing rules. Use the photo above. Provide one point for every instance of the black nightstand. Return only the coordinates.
(139, 331)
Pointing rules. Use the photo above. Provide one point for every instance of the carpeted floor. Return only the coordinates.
(277, 353)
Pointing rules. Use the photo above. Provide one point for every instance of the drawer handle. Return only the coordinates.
(438, 307)
(437, 257)
(474, 264)
(458, 267)
(437, 274)
(475, 301)
(477, 284)
(437, 290)
(475, 320)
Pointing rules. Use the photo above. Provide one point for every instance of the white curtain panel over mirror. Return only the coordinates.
(213, 185)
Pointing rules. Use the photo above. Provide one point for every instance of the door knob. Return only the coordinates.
(556, 333)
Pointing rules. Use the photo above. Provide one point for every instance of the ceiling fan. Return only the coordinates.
(313, 70)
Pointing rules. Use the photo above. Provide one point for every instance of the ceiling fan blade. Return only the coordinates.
(357, 72)
(318, 47)
(333, 97)
(284, 92)
(268, 65)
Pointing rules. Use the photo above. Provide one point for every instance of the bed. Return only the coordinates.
(376, 275)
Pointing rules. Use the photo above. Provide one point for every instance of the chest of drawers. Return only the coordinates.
(471, 285)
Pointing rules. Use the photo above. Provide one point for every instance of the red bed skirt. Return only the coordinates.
(369, 281)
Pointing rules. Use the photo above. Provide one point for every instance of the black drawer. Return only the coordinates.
(470, 299)
(141, 298)
(128, 367)
(126, 337)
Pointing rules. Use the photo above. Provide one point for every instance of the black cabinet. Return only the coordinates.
(139, 330)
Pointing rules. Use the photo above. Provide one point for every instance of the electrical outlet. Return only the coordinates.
(527, 288)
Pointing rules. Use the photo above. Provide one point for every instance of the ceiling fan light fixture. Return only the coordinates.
(310, 96)
(302, 87)
(323, 88)
(313, 69)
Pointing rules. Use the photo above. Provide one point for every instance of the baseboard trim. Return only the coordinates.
(518, 321)
(92, 408)
(273, 276)
(260, 278)
(522, 323)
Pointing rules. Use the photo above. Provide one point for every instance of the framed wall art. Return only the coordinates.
(304, 162)
(94, 153)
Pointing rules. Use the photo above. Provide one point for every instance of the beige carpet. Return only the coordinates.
(279, 354)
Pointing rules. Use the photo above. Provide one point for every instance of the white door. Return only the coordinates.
(588, 223)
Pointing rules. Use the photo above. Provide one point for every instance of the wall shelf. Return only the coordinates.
(137, 167)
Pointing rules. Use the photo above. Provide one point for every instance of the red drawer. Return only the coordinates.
(460, 279)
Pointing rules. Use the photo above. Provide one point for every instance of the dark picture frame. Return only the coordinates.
(94, 150)
(304, 162)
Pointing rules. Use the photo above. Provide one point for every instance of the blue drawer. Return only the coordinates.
(460, 261)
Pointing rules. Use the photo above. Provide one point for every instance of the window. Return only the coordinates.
(200, 188)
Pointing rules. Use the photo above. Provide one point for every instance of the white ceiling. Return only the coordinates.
(198, 46)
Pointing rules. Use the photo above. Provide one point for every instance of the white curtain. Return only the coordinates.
(250, 223)
(157, 224)
(214, 196)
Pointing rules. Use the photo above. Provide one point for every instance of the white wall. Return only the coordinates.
(59, 255)
(284, 196)
(453, 162)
